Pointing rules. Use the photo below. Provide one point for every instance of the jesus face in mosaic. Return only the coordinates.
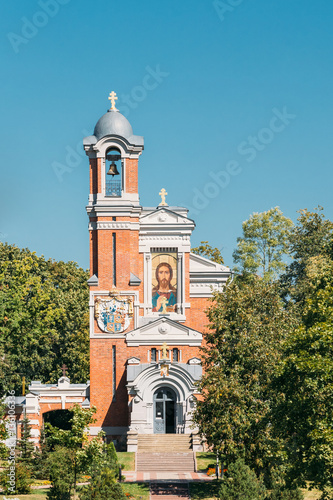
(163, 276)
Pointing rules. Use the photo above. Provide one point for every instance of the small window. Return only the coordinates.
(153, 354)
(175, 354)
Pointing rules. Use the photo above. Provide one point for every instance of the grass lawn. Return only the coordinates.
(35, 495)
(127, 460)
(204, 460)
(209, 491)
(137, 490)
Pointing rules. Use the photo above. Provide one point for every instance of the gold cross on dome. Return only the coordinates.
(163, 194)
(112, 97)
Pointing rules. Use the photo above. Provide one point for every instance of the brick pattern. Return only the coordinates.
(111, 411)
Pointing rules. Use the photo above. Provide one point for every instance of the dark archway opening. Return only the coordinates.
(59, 418)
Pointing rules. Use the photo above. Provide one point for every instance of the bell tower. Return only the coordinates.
(114, 207)
(116, 272)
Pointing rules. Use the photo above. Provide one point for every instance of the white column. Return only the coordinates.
(147, 283)
(180, 283)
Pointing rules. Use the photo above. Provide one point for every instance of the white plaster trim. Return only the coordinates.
(132, 226)
(164, 330)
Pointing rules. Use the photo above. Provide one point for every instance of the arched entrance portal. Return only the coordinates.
(164, 411)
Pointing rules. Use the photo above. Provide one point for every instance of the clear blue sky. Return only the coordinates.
(225, 76)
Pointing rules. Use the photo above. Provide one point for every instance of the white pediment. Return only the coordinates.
(199, 264)
(133, 361)
(163, 216)
(194, 361)
(164, 330)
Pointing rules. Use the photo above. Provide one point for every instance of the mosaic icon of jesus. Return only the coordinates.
(164, 288)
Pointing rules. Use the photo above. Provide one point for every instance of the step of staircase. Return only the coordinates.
(164, 443)
(165, 462)
(169, 491)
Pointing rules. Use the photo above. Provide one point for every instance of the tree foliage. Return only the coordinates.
(60, 463)
(241, 482)
(103, 485)
(248, 329)
(264, 244)
(205, 250)
(25, 448)
(43, 318)
(303, 415)
(81, 455)
(311, 237)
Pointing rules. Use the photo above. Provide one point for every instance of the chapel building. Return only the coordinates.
(148, 296)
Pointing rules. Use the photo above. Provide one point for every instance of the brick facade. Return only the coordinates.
(133, 361)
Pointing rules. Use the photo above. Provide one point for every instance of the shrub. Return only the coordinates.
(102, 486)
(241, 482)
(60, 464)
(286, 495)
(22, 481)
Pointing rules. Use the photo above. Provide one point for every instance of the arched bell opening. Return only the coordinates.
(113, 172)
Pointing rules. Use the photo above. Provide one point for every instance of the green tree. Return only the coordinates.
(60, 464)
(311, 237)
(264, 244)
(249, 325)
(3, 431)
(205, 250)
(76, 441)
(102, 486)
(43, 318)
(241, 482)
(25, 448)
(303, 414)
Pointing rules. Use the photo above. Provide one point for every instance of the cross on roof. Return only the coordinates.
(112, 97)
(163, 194)
(64, 368)
(165, 348)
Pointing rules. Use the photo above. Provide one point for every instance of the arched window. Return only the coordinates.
(113, 172)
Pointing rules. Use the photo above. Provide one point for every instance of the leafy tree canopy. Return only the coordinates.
(249, 325)
(205, 250)
(303, 414)
(264, 244)
(311, 237)
(43, 318)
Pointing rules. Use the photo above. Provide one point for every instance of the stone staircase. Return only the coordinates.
(164, 452)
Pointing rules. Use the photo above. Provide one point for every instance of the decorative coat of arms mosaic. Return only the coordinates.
(114, 314)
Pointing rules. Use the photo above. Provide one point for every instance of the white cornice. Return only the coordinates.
(133, 226)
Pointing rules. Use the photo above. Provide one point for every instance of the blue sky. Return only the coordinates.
(236, 120)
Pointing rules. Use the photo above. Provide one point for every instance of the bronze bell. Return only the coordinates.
(113, 169)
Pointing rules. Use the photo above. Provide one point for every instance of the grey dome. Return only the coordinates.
(113, 123)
